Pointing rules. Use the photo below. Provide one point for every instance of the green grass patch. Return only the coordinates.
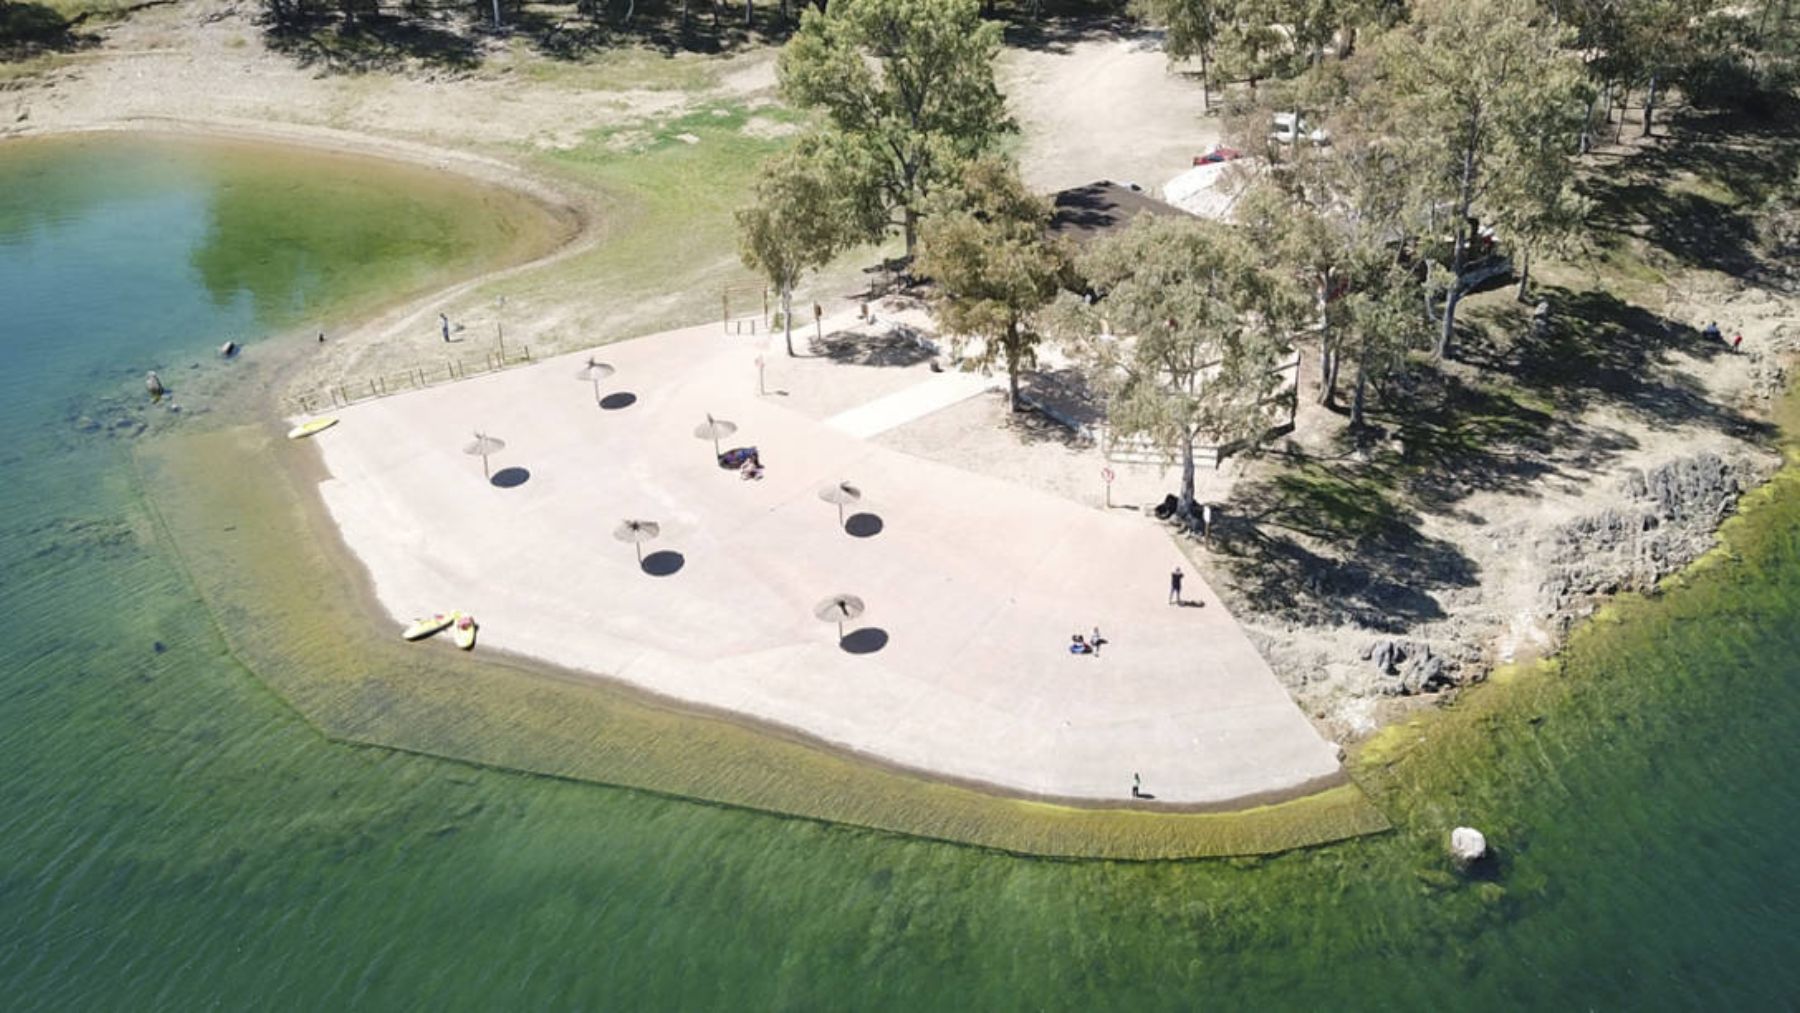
(668, 236)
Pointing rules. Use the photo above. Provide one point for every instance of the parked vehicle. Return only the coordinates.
(1290, 127)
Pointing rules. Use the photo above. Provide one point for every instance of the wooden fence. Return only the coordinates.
(449, 370)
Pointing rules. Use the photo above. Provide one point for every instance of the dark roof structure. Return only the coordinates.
(1085, 213)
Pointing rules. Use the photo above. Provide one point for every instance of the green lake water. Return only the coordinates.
(173, 837)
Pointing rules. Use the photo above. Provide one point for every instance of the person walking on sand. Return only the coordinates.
(444, 323)
(1736, 341)
(1175, 586)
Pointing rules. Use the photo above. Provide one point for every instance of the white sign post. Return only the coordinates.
(1106, 476)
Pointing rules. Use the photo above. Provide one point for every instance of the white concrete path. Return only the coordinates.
(911, 404)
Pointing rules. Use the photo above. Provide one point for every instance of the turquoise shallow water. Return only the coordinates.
(172, 836)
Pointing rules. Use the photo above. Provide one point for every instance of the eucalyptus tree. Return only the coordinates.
(799, 221)
(1331, 219)
(1203, 325)
(907, 93)
(1477, 82)
(988, 249)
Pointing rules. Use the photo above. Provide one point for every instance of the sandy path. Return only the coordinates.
(1105, 107)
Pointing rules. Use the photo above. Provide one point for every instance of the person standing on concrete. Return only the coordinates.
(1175, 586)
(444, 323)
(1137, 786)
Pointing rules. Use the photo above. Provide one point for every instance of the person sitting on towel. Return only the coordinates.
(1079, 645)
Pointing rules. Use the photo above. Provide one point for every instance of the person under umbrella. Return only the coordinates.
(482, 447)
(595, 371)
(839, 608)
(843, 494)
(637, 533)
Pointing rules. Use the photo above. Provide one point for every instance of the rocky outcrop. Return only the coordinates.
(1667, 521)
(1410, 667)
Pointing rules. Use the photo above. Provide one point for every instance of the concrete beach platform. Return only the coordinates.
(959, 669)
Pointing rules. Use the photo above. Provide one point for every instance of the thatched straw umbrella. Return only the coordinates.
(482, 447)
(637, 533)
(839, 608)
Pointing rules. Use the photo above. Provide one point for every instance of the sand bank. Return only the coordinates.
(974, 586)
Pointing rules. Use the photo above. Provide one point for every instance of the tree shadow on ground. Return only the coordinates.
(31, 29)
(1696, 197)
(1059, 25)
(1064, 408)
(1385, 572)
(1454, 438)
(899, 345)
(1600, 350)
(372, 42)
(575, 32)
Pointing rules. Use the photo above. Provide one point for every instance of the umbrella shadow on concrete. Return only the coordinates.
(618, 400)
(867, 640)
(864, 525)
(510, 478)
(663, 563)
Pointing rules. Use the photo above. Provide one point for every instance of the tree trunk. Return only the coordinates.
(1328, 359)
(1011, 348)
(1457, 255)
(1624, 104)
(1362, 382)
(749, 12)
(1587, 126)
(787, 316)
(1649, 106)
(1524, 273)
(1186, 506)
(1205, 83)
(496, 13)
(910, 225)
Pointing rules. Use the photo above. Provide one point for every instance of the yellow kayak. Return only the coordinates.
(464, 632)
(422, 628)
(305, 429)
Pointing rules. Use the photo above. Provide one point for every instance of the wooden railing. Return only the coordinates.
(449, 370)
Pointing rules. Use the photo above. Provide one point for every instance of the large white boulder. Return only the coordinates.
(1467, 846)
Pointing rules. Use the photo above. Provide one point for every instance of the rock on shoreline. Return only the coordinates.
(1668, 520)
